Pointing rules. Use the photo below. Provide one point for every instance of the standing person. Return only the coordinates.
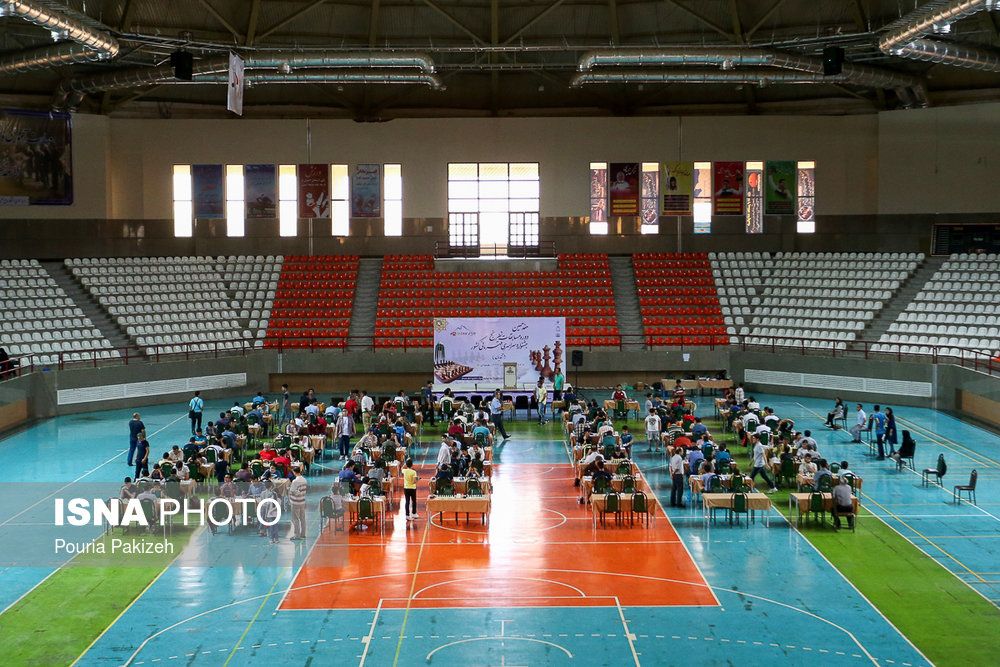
(739, 394)
(652, 430)
(195, 408)
(878, 422)
(270, 510)
(677, 478)
(343, 433)
(410, 490)
(542, 398)
(890, 430)
(285, 411)
(444, 453)
(428, 395)
(297, 497)
(496, 413)
(367, 407)
(760, 463)
(860, 425)
(135, 428)
(142, 456)
(557, 388)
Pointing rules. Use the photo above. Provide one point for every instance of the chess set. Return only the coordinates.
(449, 371)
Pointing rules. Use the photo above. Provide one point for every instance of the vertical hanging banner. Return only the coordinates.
(599, 195)
(36, 164)
(208, 192)
(624, 188)
(366, 191)
(728, 198)
(234, 97)
(676, 186)
(779, 188)
(261, 193)
(314, 191)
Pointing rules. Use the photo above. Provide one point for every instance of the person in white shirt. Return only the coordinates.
(843, 502)
(740, 394)
(367, 408)
(297, 497)
(182, 470)
(444, 453)
(861, 425)
(807, 468)
(652, 430)
(677, 478)
(753, 404)
(760, 463)
(542, 398)
(312, 410)
(749, 418)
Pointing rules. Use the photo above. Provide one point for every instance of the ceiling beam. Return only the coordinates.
(708, 22)
(373, 23)
(494, 74)
(454, 21)
(613, 24)
(291, 17)
(222, 20)
(734, 14)
(767, 15)
(125, 24)
(859, 15)
(252, 23)
(538, 17)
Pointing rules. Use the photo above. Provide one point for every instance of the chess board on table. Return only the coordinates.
(449, 371)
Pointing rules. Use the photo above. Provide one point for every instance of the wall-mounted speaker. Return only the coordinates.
(576, 358)
(183, 64)
(833, 60)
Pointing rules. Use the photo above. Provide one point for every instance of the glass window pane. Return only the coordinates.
(493, 171)
(339, 181)
(524, 205)
(234, 182)
(598, 228)
(463, 205)
(393, 219)
(287, 183)
(340, 216)
(524, 171)
(182, 182)
(703, 211)
(235, 222)
(492, 206)
(524, 189)
(649, 229)
(182, 218)
(288, 217)
(393, 182)
(493, 228)
(463, 190)
(463, 171)
(493, 189)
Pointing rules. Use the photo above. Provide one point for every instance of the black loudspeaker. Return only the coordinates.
(833, 60)
(577, 358)
(183, 64)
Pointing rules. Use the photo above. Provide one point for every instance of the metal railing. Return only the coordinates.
(444, 250)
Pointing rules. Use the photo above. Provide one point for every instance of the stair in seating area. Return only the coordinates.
(361, 332)
(906, 293)
(90, 307)
(627, 309)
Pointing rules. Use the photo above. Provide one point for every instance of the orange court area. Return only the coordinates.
(539, 548)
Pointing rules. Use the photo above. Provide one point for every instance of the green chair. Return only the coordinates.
(482, 440)
(257, 469)
(473, 487)
(389, 450)
(788, 474)
(219, 512)
(602, 485)
(707, 451)
(443, 487)
(834, 468)
(624, 468)
(628, 484)
(737, 484)
(640, 506)
(741, 505)
(366, 512)
(612, 505)
(825, 484)
(816, 506)
(329, 514)
(715, 485)
(210, 455)
(620, 411)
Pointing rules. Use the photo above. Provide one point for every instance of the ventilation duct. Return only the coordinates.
(331, 76)
(757, 76)
(95, 42)
(906, 38)
(65, 53)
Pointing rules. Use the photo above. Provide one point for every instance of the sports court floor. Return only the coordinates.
(538, 585)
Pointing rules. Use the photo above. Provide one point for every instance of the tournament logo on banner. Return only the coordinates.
(36, 163)
(366, 191)
(779, 188)
(624, 188)
(677, 186)
(314, 191)
(261, 193)
(208, 192)
(728, 199)
(471, 353)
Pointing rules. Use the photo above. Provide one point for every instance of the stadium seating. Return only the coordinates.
(170, 305)
(40, 320)
(817, 300)
(678, 299)
(253, 281)
(956, 311)
(412, 293)
(313, 302)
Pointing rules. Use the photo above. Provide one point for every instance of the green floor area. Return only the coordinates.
(66, 613)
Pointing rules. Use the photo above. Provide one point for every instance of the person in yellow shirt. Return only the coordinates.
(410, 490)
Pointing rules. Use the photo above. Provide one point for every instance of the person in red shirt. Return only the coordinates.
(683, 441)
(619, 394)
(351, 406)
(456, 430)
(267, 454)
(317, 425)
(283, 462)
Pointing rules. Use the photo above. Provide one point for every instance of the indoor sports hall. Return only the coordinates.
(499, 332)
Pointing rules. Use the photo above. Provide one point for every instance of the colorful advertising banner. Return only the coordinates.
(728, 198)
(208, 191)
(36, 164)
(470, 353)
(314, 191)
(676, 186)
(261, 192)
(598, 195)
(779, 188)
(624, 188)
(366, 191)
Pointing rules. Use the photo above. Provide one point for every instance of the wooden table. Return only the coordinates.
(803, 479)
(755, 502)
(400, 453)
(697, 485)
(798, 503)
(587, 484)
(461, 485)
(625, 504)
(378, 506)
(442, 505)
(630, 406)
(611, 466)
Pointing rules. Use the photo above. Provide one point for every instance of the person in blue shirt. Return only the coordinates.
(135, 427)
(229, 437)
(695, 457)
(348, 475)
(496, 413)
(259, 399)
(878, 421)
(626, 441)
(199, 439)
(481, 430)
(256, 413)
(195, 407)
(698, 429)
(824, 471)
(427, 393)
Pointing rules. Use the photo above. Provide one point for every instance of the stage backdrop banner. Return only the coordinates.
(314, 191)
(261, 192)
(779, 189)
(624, 188)
(209, 192)
(366, 191)
(470, 353)
(676, 185)
(36, 164)
(728, 188)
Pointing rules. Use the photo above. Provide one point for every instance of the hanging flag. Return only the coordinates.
(676, 186)
(261, 193)
(624, 188)
(234, 98)
(208, 191)
(366, 191)
(779, 188)
(728, 198)
(314, 191)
